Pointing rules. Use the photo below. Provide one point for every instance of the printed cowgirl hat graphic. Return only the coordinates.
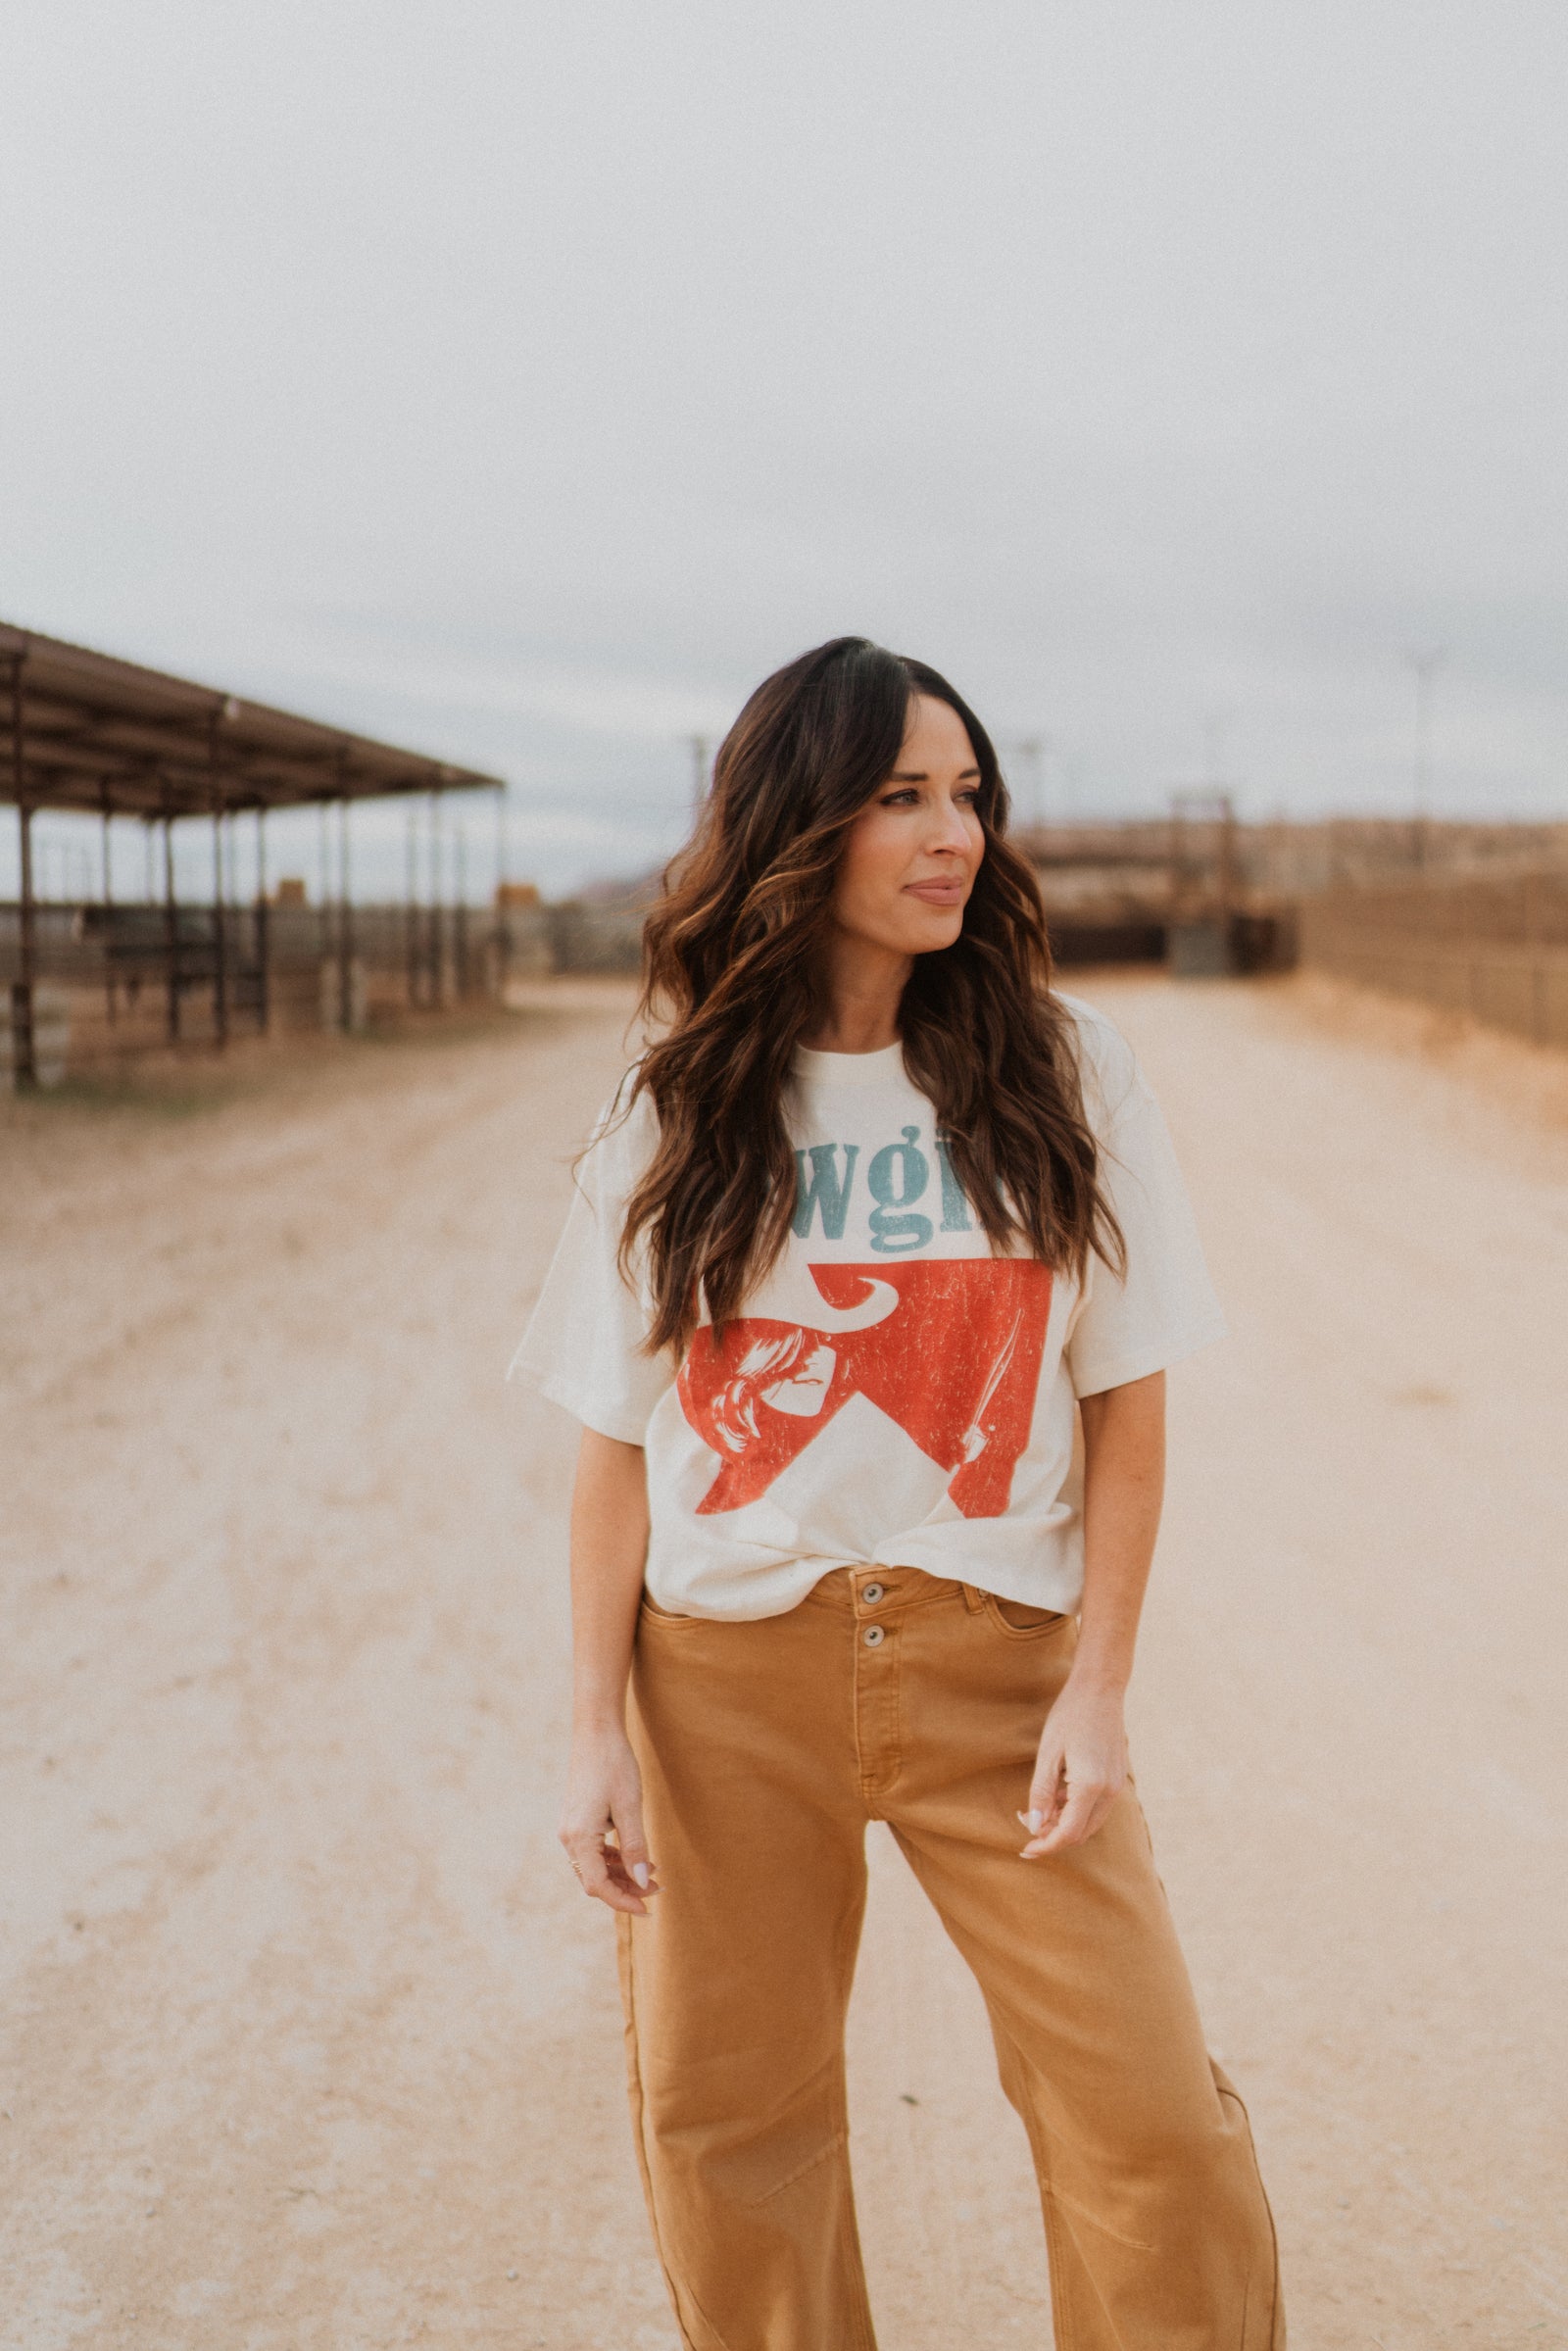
(789, 1365)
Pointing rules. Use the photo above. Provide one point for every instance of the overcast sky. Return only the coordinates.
(522, 382)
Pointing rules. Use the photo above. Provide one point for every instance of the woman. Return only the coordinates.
(864, 1304)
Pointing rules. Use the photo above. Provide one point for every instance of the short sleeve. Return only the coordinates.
(1164, 1307)
(584, 1346)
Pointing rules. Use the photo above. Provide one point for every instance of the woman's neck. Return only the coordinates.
(865, 989)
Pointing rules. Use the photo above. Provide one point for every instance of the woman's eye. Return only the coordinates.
(898, 799)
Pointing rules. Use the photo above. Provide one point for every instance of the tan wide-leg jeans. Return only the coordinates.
(766, 1748)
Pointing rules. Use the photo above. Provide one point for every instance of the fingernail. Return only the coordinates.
(1032, 1820)
(639, 1870)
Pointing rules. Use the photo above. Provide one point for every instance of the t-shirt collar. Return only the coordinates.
(850, 1069)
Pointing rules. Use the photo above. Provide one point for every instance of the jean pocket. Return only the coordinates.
(1019, 1622)
(650, 1613)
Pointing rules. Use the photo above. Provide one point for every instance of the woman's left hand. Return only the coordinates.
(1080, 1770)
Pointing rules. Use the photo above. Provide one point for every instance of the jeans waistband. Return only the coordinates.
(880, 1592)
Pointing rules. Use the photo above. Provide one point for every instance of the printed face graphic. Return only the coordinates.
(949, 1348)
(804, 1392)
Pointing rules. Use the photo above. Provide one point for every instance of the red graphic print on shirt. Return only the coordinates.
(949, 1348)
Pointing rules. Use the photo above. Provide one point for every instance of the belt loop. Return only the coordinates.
(974, 1600)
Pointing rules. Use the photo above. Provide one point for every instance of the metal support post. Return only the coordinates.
(170, 921)
(501, 925)
(220, 925)
(436, 943)
(23, 1058)
(345, 924)
(460, 908)
(263, 968)
(325, 860)
(410, 907)
(111, 993)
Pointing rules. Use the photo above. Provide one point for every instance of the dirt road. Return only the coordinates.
(311, 2044)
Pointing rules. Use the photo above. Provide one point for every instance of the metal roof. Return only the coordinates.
(82, 730)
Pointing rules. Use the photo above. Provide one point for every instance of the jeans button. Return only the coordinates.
(872, 1592)
(873, 1637)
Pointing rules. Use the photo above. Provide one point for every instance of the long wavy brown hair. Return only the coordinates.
(734, 957)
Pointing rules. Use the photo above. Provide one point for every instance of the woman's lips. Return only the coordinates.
(937, 893)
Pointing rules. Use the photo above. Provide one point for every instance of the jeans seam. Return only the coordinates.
(1225, 2090)
(933, 1600)
(640, 2124)
(848, 2238)
(874, 1790)
(1063, 2318)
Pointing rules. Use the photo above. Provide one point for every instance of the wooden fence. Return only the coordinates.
(1496, 950)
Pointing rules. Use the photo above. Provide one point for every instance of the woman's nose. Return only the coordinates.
(950, 834)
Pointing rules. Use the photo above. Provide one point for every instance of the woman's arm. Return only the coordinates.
(1083, 1749)
(603, 1790)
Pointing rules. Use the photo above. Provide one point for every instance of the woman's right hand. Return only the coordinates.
(601, 1821)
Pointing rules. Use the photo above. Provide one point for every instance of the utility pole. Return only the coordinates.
(1426, 666)
(701, 749)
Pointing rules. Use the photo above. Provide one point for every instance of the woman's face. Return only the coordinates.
(911, 854)
(802, 1391)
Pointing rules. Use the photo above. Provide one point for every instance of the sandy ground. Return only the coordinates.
(310, 2042)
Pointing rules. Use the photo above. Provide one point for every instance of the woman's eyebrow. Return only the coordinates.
(920, 775)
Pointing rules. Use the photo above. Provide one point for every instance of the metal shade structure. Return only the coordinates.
(87, 734)
(106, 737)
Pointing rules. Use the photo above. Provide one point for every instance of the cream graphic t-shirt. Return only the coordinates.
(894, 1393)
